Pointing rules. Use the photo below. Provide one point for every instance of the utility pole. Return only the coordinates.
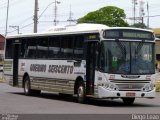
(15, 27)
(134, 10)
(35, 19)
(7, 19)
(70, 16)
(141, 11)
(55, 11)
(148, 15)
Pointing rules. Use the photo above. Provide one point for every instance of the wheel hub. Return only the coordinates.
(80, 91)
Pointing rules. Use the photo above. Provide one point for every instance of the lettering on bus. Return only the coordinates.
(38, 68)
(64, 69)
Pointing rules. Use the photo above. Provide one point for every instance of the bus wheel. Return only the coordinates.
(128, 101)
(27, 88)
(80, 92)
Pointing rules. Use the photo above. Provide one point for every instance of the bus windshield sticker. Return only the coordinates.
(114, 62)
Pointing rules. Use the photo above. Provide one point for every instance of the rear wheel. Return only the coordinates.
(27, 88)
(81, 92)
(128, 101)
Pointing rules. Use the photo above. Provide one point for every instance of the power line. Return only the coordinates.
(29, 18)
(15, 27)
(45, 10)
(144, 16)
(58, 21)
(22, 27)
(4, 4)
(153, 16)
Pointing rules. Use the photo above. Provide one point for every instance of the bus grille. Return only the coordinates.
(130, 85)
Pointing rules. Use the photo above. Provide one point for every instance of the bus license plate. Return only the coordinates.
(130, 94)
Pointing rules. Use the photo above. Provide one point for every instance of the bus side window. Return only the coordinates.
(78, 47)
(9, 49)
(31, 50)
(67, 47)
(54, 47)
(42, 47)
(22, 48)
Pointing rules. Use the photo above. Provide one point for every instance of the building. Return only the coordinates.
(2, 39)
(157, 32)
(157, 46)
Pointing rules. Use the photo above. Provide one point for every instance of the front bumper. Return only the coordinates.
(105, 93)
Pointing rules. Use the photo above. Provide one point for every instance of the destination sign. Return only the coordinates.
(92, 37)
(137, 35)
(128, 34)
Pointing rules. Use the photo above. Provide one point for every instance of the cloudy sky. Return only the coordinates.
(21, 12)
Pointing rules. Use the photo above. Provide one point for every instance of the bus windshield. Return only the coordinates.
(127, 57)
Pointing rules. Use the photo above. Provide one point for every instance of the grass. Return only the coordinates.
(158, 86)
(2, 80)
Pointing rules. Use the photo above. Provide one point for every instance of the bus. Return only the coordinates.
(84, 60)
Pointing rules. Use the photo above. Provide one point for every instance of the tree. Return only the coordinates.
(139, 25)
(111, 16)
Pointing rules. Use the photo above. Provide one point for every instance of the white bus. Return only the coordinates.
(85, 60)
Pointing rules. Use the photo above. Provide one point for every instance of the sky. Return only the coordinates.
(21, 12)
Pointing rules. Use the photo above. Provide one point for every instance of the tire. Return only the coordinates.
(128, 101)
(81, 92)
(27, 88)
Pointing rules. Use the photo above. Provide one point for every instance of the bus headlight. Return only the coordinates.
(148, 87)
(111, 86)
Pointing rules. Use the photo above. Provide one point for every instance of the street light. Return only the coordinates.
(7, 18)
(15, 27)
(55, 11)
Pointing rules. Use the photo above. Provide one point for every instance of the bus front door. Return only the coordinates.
(90, 67)
(15, 63)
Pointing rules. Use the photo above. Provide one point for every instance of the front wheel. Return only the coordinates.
(81, 92)
(128, 101)
(27, 88)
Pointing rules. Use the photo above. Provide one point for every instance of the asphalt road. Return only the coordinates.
(12, 100)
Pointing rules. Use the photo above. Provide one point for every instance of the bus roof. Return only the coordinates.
(60, 30)
(133, 28)
(73, 29)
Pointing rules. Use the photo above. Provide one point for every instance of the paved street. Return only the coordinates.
(12, 100)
